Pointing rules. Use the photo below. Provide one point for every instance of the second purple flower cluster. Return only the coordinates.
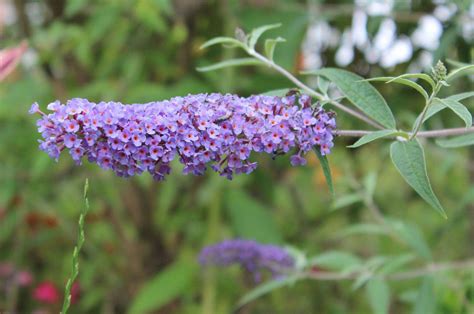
(251, 255)
(220, 130)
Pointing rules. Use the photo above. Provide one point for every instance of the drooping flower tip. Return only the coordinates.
(205, 129)
(251, 255)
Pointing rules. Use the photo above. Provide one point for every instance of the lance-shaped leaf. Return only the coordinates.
(378, 294)
(409, 159)
(437, 106)
(363, 95)
(266, 288)
(256, 33)
(226, 41)
(279, 92)
(402, 81)
(458, 141)
(326, 169)
(270, 46)
(465, 70)
(422, 76)
(230, 63)
(459, 109)
(373, 136)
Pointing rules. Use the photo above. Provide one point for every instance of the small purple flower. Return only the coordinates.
(220, 131)
(34, 108)
(297, 160)
(251, 255)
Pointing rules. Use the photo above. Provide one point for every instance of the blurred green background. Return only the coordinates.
(143, 237)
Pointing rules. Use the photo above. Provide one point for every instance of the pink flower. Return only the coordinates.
(24, 278)
(46, 292)
(9, 59)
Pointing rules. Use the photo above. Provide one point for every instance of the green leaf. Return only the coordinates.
(461, 96)
(395, 263)
(400, 80)
(279, 92)
(256, 33)
(412, 236)
(230, 63)
(456, 64)
(326, 170)
(465, 70)
(421, 76)
(409, 159)
(367, 228)
(378, 294)
(372, 137)
(270, 46)
(346, 200)
(426, 299)
(437, 106)
(363, 95)
(164, 287)
(457, 141)
(250, 219)
(74, 6)
(323, 84)
(232, 42)
(459, 109)
(265, 288)
(335, 260)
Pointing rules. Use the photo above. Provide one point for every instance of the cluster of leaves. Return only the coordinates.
(406, 152)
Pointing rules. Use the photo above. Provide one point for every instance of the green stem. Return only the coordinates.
(425, 110)
(75, 255)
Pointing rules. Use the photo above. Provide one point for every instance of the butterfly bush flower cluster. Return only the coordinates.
(205, 129)
(251, 255)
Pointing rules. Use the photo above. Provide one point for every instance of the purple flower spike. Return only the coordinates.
(251, 255)
(217, 130)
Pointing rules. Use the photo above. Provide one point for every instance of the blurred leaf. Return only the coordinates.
(412, 236)
(346, 200)
(323, 85)
(395, 263)
(378, 294)
(256, 33)
(465, 70)
(372, 137)
(265, 288)
(335, 260)
(370, 182)
(230, 63)
(363, 228)
(167, 285)
(409, 159)
(458, 108)
(250, 219)
(326, 170)
(403, 81)
(456, 64)
(279, 92)
(363, 95)
(461, 96)
(426, 299)
(270, 45)
(226, 41)
(457, 141)
(74, 6)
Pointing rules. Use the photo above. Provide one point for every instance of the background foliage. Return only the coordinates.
(143, 237)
